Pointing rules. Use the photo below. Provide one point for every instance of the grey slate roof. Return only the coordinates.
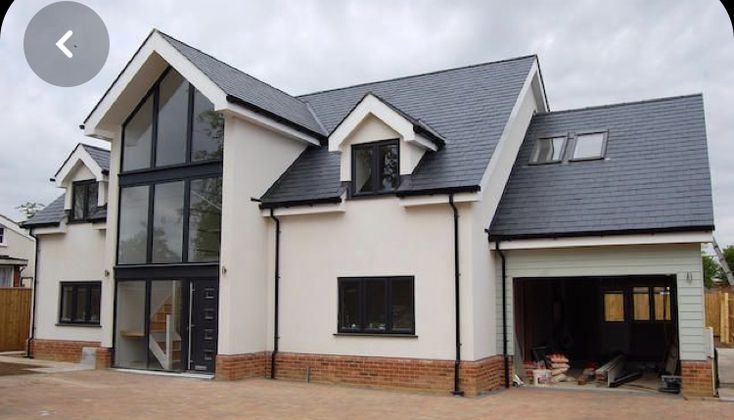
(52, 214)
(655, 176)
(245, 88)
(469, 106)
(100, 155)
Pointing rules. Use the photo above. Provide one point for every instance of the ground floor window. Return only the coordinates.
(80, 302)
(376, 305)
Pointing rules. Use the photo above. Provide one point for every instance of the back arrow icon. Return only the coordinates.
(62, 47)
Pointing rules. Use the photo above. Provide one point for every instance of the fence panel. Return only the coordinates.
(15, 318)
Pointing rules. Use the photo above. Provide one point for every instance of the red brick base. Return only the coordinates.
(231, 367)
(697, 378)
(60, 350)
(104, 358)
(376, 372)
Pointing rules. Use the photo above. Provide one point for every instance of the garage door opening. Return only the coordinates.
(589, 322)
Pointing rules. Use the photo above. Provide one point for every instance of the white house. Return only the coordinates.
(17, 255)
(426, 232)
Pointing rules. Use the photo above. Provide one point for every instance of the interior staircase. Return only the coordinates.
(165, 342)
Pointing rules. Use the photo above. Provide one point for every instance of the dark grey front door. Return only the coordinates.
(204, 309)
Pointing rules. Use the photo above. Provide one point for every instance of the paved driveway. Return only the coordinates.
(112, 394)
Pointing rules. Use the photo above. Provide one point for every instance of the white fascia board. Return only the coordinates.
(50, 230)
(438, 199)
(372, 105)
(614, 240)
(101, 125)
(10, 224)
(78, 156)
(304, 210)
(268, 123)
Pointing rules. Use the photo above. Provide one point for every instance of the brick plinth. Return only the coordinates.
(231, 367)
(60, 350)
(392, 373)
(104, 358)
(697, 378)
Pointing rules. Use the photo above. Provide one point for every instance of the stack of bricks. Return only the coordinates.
(697, 378)
(60, 350)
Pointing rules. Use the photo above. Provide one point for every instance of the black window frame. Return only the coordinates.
(362, 307)
(86, 214)
(374, 167)
(2, 235)
(75, 286)
(154, 92)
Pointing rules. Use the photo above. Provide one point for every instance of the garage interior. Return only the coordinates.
(593, 320)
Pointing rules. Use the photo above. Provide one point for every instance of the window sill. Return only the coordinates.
(347, 334)
(72, 324)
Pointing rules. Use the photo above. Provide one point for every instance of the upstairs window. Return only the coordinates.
(84, 202)
(376, 305)
(589, 146)
(548, 150)
(375, 168)
(2, 235)
(173, 125)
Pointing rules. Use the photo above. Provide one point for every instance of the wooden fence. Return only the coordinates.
(15, 318)
(720, 315)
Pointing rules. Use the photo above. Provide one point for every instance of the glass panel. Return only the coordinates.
(641, 303)
(66, 303)
(92, 198)
(165, 343)
(173, 105)
(363, 170)
(375, 305)
(349, 305)
(613, 306)
(133, 225)
(95, 297)
(205, 219)
(662, 304)
(389, 168)
(80, 198)
(168, 222)
(548, 150)
(138, 132)
(82, 294)
(588, 146)
(6, 276)
(130, 341)
(402, 305)
(208, 130)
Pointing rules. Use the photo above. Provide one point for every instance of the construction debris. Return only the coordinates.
(609, 372)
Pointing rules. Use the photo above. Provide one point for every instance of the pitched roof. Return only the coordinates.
(50, 215)
(100, 155)
(469, 106)
(249, 91)
(655, 176)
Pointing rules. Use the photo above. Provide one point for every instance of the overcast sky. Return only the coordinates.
(591, 53)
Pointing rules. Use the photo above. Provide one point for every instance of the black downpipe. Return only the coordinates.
(276, 293)
(504, 314)
(457, 363)
(28, 350)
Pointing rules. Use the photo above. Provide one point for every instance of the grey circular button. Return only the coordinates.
(66, 43)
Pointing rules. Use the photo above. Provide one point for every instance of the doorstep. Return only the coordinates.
(204, 376)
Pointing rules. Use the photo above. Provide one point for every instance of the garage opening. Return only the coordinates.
(577, 328)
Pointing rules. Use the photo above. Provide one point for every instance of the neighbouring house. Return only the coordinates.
(426, 232)
(17, 255)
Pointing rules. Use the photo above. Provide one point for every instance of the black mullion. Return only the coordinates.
(186, 215)
(388, 305)
(74, 298)
(150, 227)
(190, 124)
(146, 325)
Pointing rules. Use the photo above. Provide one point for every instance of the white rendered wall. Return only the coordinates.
(20, 246)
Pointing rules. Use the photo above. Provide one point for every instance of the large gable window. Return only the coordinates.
(174, 125)
(84, 201)
(548, 150)
(375, 168)
(589, 146)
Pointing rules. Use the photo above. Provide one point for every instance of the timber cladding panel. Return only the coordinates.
(60, 350)
(15, 318)
(368, 371)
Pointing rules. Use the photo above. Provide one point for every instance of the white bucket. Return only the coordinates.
(541, 377)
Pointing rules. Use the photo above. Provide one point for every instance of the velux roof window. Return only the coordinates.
(589, 146)
(548, 150)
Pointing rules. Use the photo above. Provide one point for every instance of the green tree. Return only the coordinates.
(711, 270)
(30, 208)
(729, 256)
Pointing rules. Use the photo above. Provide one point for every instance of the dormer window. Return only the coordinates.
(84, 203)
(375, 168)
(589, 146)
(549, 150)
